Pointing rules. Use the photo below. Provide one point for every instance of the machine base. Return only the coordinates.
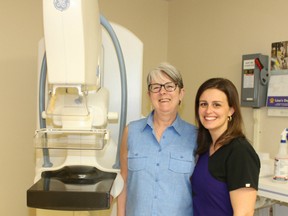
(72, 188)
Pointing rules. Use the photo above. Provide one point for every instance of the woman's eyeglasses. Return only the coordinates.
(156, 87)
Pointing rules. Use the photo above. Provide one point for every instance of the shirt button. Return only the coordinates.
(157, 164)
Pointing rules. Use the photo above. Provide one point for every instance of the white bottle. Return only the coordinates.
(281, 160)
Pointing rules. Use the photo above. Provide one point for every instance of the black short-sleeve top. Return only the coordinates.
(237, 164)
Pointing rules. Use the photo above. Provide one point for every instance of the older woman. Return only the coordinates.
(157, 153)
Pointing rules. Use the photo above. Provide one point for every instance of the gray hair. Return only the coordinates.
(167, 69)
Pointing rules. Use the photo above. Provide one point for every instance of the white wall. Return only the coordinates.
(20, 25)
(208, 38)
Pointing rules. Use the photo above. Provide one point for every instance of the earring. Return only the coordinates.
(229, 118)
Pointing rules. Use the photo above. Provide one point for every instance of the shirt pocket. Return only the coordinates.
(136, 161)
(181, 162)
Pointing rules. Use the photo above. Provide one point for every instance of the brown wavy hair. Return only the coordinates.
(234, 126)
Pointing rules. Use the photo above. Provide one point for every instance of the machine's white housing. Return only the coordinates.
(73, 41)
(76, 65)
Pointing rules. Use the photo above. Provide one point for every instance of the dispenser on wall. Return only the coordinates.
(255, 77)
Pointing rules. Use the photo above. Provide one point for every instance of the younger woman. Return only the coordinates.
(225, 179)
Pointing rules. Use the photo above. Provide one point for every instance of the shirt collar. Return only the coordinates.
(176, 124)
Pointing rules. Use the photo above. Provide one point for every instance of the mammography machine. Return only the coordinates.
(78, 136)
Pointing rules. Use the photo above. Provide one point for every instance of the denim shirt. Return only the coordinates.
(159, 173)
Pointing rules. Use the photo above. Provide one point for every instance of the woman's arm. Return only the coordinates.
(243, 201)
(121, 201)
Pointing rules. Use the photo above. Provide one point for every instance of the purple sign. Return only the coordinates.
(277, 101)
